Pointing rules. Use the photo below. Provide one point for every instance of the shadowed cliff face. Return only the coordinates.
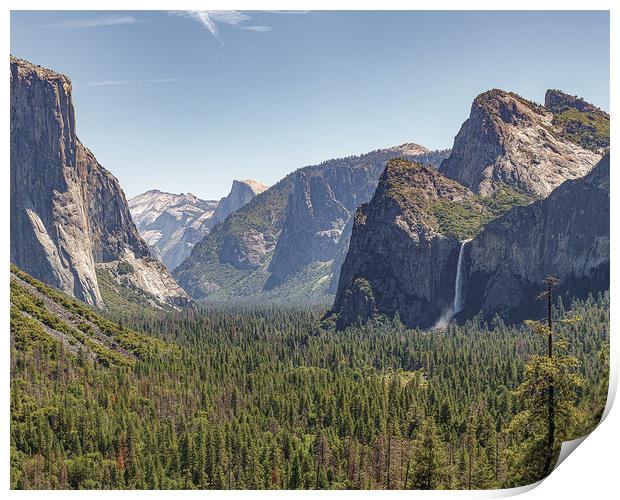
(403, 250)
(509, 141)
(565, 235)
(317, 211)
(402, 259)
(68, 213)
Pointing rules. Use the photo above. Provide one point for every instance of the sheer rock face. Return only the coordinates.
(565, 235)
(240, 194)
(315, 219)
(511, 141)
(171, 224)
(291, 239)
(68, 213)
(401, 256)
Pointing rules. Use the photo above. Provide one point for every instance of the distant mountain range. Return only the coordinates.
(171, 224)
(423, 235)
(289, 241)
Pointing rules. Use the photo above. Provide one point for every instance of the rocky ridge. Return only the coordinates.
(565, 235)
(171, 224)
(578, 121)
(512, 154)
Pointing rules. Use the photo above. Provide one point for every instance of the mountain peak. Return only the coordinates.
(557, 101)
(424, 194)
(256, 186)
(411, 227)
(510, 141)
(241, 193)
(410, 149)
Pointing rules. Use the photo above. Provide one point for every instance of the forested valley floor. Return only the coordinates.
(263, 397)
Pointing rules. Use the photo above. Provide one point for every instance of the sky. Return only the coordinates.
(187, 101)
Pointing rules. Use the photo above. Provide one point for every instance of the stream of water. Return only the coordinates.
(457, 302)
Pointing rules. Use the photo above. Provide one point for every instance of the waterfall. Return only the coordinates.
(457, 301)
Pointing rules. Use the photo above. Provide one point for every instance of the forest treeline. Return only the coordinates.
(265, 398)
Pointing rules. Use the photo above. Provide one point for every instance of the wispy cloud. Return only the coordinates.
(97, 22)
(107, 83)
(301, 12)
(210, 19)
(260, 29)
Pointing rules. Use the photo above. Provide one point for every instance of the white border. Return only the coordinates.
(592, 471)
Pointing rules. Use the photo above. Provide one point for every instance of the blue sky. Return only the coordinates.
(189, 101)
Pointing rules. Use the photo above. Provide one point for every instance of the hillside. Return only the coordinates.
(578, 121)
(43, 316)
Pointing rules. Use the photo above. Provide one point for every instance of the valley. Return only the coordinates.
(368, 322)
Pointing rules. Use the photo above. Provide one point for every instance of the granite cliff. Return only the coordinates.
(428, 249)
(510, 142)
(68, 213)
(565, 235)
(241, 193)
(511, 154)
(404, 246)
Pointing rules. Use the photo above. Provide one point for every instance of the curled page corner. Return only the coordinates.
(567, 448)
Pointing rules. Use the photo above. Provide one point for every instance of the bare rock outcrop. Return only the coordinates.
(510, 141)
(68, 213)
(171, 224)
(241, 193)
(565, 235)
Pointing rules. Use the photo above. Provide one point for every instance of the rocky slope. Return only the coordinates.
(171, 224)
(68, 213)
(404, 244)
(290, 240)
(578, 121)
(41, 315)
(565, 235)
(508, 141)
